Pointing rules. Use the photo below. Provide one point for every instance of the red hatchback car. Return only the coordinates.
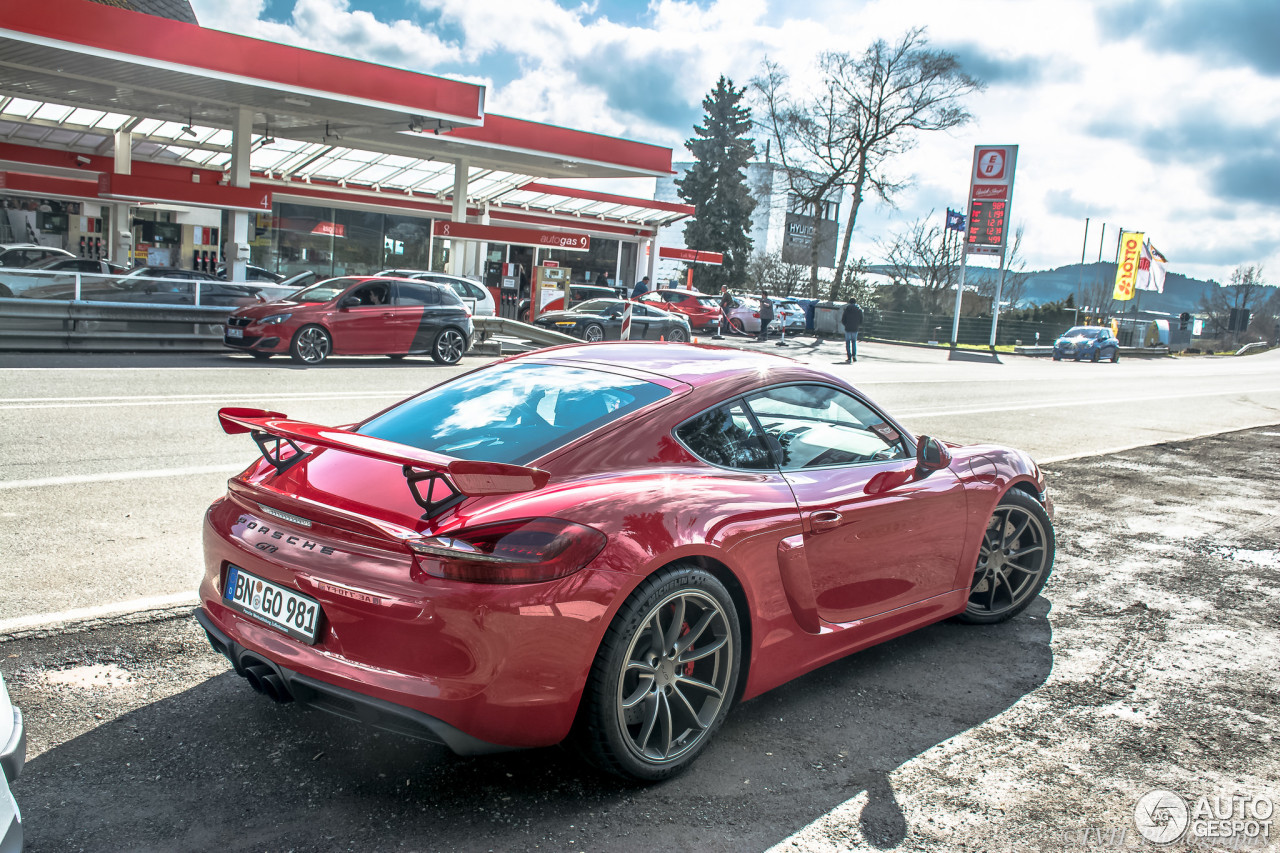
(364, 315)
(703, 311)
(607, 543)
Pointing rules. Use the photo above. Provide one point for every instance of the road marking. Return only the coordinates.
(115, 476)
(84, 614)
(1076, 401)
(189, 399)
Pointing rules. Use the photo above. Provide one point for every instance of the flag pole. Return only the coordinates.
(1080, 281)
(955, 320)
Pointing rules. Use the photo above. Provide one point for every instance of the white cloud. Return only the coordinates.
(1107, 127)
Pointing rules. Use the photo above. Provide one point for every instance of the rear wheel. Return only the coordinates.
(1095, 356)
(593, 332)
(664, 677)
(311, 345)
(1014, 560)
(736, 326)
(449, 346)
(678, 335)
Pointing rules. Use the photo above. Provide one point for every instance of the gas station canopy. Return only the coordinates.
(73, 74)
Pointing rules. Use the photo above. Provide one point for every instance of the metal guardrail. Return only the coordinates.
(57, 325)
(487, 327)
(1134, 352)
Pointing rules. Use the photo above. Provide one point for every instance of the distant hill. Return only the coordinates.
(1180, 292)
(1084, 280)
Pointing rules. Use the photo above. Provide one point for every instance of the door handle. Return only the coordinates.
(826, 519)
(388, 316)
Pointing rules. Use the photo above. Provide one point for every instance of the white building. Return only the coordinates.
(777, 225)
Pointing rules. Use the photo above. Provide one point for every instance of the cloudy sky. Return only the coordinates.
(1155, 115)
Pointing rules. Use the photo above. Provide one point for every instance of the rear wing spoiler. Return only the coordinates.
(447, 478)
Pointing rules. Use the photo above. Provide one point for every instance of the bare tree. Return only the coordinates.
(771, 271)
(1246, 292)
(1015, 275)
(923, 254)
(867, 111)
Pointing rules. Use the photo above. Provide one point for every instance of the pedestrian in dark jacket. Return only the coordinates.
(851, 319)
(727, 304)
(641, 288)
(766, 315)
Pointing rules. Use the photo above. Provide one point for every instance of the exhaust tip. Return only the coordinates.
(255, 674)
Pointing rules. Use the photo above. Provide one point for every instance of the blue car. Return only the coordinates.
(1092, 342)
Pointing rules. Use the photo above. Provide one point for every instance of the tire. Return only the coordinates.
(736, 326)
(448, 346)
(649, 707)
(593, 333)
(261, 356)
(5, 293)
(1095, 356)
(1057, 357)
(1017, 554)
(678, 335)
(1115, 355)
(311, 345)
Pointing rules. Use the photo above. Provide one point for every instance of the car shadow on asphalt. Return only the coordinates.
(974, 356)
(217, 767)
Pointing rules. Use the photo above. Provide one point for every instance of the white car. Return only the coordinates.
(744, 317)
(13, 754)
(475, 296)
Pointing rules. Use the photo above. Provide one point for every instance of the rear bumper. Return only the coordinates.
(349, 704)
(13, 755)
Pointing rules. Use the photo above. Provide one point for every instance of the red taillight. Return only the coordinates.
(528, 550)
(756, 314)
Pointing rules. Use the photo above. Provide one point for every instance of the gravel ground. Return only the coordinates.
(1149, 663)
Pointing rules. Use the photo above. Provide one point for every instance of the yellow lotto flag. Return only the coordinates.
(1127, 268)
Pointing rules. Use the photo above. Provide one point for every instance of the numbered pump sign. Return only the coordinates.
(990, 197)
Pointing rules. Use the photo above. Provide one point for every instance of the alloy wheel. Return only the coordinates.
(676, 676)
(449, 347)
(312, 345)
(593, 333)
(1013, 559)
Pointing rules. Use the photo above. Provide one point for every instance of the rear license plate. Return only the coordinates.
(278, 606)
(235, 333)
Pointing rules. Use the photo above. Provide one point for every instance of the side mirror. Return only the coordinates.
(931, 455)
(349, 302)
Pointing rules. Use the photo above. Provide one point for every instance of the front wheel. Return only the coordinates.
(1115, 356)
(311, 345)
(1095, 356)
(1014, 560)
(664, 677)
(448, 347)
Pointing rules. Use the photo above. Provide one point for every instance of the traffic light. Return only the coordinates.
(1184, 321)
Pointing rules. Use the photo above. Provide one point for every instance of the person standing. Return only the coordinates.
(641, 288)
(851, 319)
(727, 302)
(766, 315)
(603, 281)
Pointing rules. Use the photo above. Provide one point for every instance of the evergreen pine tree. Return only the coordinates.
(716, 185)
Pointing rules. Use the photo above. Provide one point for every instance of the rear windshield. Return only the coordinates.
(513, 413)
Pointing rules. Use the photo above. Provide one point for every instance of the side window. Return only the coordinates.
(725, 436)
(372, 294)
(818, 425)
(416, 294)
